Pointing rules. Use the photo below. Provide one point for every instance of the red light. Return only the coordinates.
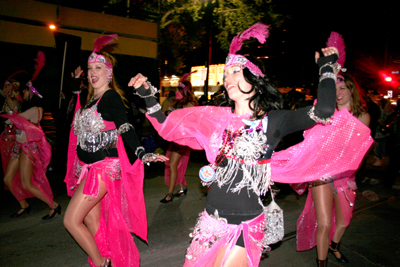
(388, 79)
(52, 27)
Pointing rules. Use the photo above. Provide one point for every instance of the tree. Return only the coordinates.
(228, 17)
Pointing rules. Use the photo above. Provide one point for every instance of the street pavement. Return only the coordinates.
(372, 238)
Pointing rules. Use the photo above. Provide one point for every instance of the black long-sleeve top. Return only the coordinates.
(245, 204)
(111, 108)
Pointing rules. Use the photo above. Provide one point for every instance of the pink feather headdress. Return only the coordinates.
(259, 31)
(99, 43)
(184, 77)
(40, 62)
(336, 40)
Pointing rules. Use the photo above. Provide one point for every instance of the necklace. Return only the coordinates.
(207, 173)
(95, 97)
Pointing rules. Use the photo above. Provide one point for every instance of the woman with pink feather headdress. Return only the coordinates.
(239, 141)
(330, 202)
(175, 167)
(26, 157)
(107, 201)
(10, 92)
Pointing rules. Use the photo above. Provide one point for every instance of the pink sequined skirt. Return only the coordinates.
(212, 233)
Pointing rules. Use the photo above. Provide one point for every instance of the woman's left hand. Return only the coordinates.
(138, 81)
(150, 157)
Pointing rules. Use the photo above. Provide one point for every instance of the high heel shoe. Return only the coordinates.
(55, 211)
(171, 197)
(106, 263)
(334, 247)
(181, 192)
(322, 263)
(26, 210)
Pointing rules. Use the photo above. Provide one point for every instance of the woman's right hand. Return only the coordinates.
(77, 74)
(328, 51)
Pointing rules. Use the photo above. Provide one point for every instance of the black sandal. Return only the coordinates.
(334, 247)
(171, 197)
(181, 192)
(26, 210)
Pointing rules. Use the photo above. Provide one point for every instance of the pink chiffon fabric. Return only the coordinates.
(327, 150)
(41, 157)
(122, 209)
(182, 165)
(209, 230)
(307, 225)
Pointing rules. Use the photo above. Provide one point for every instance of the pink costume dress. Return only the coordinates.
(37, 145)
(307, 226)
(315, 157)
(122, 208)
(182, 165)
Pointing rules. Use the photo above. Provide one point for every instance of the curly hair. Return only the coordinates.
(266, 97)
(112, 84)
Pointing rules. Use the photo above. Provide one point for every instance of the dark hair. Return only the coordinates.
(266, 97)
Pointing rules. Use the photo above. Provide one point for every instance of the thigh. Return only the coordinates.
(81, 204)
(26, 167)
(174, 158)
(323, 200)
(11, 170)
(237, 257)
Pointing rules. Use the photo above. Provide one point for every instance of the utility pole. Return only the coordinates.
(208, 22)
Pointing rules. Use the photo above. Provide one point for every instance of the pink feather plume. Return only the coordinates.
(186, 75)
(258, 30)
(40, 62)
(336, 40)
(103, 40)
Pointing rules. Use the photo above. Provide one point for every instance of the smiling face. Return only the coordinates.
(233, 80)
(343, 96)
(97, 75)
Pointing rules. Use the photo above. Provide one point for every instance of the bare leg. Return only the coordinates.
(9, 175)
(236, 258)
(323, 200)
(174, 159)
(26, 172)
(80, 207)
(340, 224)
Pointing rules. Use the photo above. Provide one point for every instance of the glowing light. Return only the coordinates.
(52, 27)
(388, 79)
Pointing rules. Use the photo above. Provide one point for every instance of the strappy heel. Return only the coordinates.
(181, 192)
(106, 263)
(55, 211)
(26, 210)
(171, 197)
(334, 247)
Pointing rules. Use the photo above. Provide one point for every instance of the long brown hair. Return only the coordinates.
(112, 84)
(358, 105)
